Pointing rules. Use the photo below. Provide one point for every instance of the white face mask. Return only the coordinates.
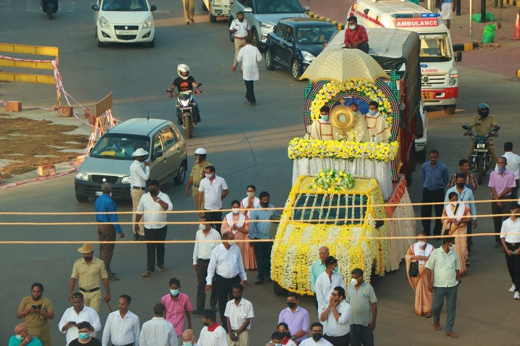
(235, 210)
(250, 194)
(372, 112)
(324, 118)
(202, 227)
(231, 242)
(209, 175)
(352, 27)
(353, 282)
(421, 243)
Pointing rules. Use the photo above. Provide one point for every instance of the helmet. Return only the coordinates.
(183, 68)
(200, 151)
(483, 110)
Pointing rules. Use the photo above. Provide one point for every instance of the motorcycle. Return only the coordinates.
(49, 6)
(185, 108)
(480, 160)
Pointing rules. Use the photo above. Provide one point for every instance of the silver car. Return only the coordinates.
(263, 15)
(111, 157)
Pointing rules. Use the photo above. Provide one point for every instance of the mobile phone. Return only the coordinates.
(36, 307)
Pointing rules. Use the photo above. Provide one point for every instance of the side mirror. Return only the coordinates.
(366, 10)
(496, 128)
(306, 8)
(157, 154)
(465, 127)
(153, 8)
(95, 7)
(458, 57)
(248, 10)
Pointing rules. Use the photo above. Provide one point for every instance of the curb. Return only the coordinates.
(518, 73)
(459, 47)
(512, 2)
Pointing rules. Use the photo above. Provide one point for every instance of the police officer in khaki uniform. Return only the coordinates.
(197, 174)
(482, 125)
(89, 271)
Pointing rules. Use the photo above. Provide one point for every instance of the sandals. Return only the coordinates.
(148, 274)
(161, 268)
(452, 335)
(428, 315)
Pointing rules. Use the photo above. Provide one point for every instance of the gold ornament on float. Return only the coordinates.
(342, 118)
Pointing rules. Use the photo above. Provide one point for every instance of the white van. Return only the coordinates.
(440, 85)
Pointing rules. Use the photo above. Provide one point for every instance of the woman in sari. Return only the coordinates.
(420, 252)
(238, 224)
(455, 217)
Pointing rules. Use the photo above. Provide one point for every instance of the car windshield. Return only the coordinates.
(330, 209)
(315, 35)
(435, 48)
(125, 5)
(119, 146)
(278, 6)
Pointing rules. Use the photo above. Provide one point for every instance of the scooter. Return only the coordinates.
(49, 6)
(480, 160)
(185, 109)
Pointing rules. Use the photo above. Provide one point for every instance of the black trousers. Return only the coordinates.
(363, 47)
(250, 93)
(469, 226)
(213, 216)
(263, 259)
(513, 265)
(150, 235)
(202, 272)
(514, 191)
(426, 210)
(361, 335)
(497, 220)
(338, 340)
(224, 291)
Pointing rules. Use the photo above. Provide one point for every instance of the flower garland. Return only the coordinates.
(356, 87)
(300, 148)
(331, 180)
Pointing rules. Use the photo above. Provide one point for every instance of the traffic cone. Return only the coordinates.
(517, 27)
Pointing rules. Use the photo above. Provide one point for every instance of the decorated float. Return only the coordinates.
(347, 190)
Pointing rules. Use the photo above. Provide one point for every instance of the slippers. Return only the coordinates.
(148, 274)
(436, 326)
(428, 315)
(452, 335)
(161, 268)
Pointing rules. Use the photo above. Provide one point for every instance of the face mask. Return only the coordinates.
(484, 115)
(317, 336)
(460, 185)
(83, 336)
(355, 112)
(88, 258)
(187, 343)
(325, 118)
(202, 227)
(372, 112)
(208, 175)
(352, 27)
(19, 337)
(501, 169)
(421, 243)
(291, 305)
(250, 194)
(205, 323)
(153, 192)
(335, 270)
(353, 282)
(174, 293)
(265, 205)
(235, 210)
(231, 242)
(277, 344)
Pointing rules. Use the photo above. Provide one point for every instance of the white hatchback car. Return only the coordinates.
(124, 21)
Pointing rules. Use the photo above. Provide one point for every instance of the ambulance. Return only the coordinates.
(440, 82)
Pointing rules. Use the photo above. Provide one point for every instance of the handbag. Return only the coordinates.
(413, 271)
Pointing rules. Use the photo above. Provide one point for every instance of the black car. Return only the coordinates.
(295, 42)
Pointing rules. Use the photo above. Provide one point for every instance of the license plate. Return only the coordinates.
(126, 32)
(428, 96)
(99, 193)
(481, 150)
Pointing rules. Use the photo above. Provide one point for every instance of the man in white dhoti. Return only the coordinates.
(377, 128)
(321, 129)
(446, 9)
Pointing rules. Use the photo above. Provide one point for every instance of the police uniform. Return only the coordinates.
(39, 327)
(197, 174)
(482, 127)
(89, 278)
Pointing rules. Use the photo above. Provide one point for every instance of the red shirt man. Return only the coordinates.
(356, 35)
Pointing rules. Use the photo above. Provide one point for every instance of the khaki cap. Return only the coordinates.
(86, 248)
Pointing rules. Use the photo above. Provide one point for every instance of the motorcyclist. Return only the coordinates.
(482, 125)
(185, 82)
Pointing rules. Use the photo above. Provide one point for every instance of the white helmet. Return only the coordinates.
(200, 151)
(183, 68)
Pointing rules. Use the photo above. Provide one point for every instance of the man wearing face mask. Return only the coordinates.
(262, 230)
(356, 36)
(177, 306)
(212, 334)
(75, 315)
(377, 127)
(445, 265)
(358, 133)
(23, 337)
(85, 336)
(212, 190)
(321, 129)
(89, 272)
(197, 174)
(482, 126)
(296, 318)
(326, 282)
(501, 182)
(158, 331)
(201, 256)
(139, 174)
(316, 336)
(153, 204)
(363, 301)
(188, 338)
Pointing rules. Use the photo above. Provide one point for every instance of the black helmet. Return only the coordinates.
(483, 110)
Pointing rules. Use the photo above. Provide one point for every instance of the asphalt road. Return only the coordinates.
(247, 145)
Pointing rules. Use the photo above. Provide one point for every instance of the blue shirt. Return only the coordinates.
(34, 342)
(261, 230)
(436, 177)
(104, 203)
(465, 196)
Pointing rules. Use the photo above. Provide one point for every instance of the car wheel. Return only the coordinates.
(450, 110)
(256, 40)
(295, 70)
(269, 60)
(279, 290)
(203, 5)
(151, 44)
(181, 175)
(81, 198)
(231, 37)
(212, 18)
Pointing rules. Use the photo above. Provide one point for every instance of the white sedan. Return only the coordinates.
(124, 21)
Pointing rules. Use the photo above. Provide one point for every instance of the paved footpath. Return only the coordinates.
(503, 61)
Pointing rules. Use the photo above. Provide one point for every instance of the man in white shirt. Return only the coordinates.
(212, 334)
(153, 204)
(510, 237)
(225, 269)
(316, 336)
(122, 326)
(377, 128)
(240, 29)
(139, 174)
(201, 256)
(239, 313)
(326, 282)
(158, 331)
(212, 190)
(76, 314)
(249, 56)
(513, 165)
(336, 318)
